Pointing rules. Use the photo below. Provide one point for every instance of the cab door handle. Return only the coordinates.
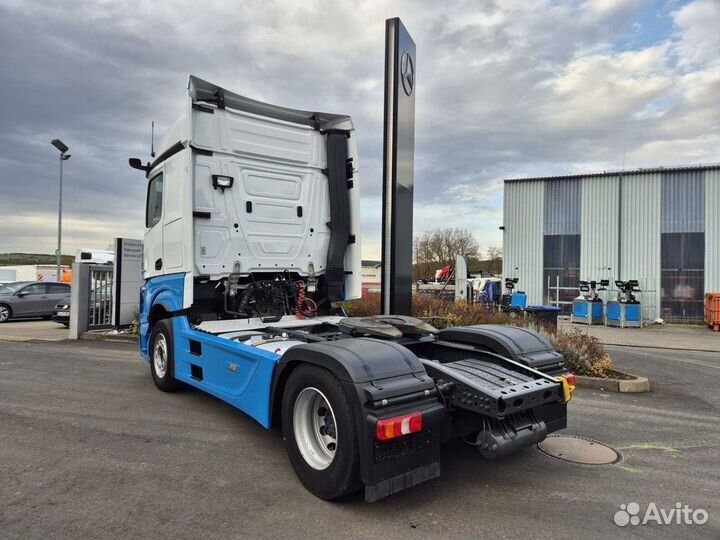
(158, 264)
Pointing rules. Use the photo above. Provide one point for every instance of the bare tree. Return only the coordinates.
(439, 248)
(494, 256)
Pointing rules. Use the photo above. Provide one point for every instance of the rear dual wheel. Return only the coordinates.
(320, 433)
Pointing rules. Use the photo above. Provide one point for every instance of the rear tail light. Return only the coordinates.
(568, 382)
(398, 426)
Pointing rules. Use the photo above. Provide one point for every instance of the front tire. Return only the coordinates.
(162, 360)
(5, 313)
(320, 433)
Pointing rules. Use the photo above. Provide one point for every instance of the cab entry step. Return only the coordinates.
(493, 390)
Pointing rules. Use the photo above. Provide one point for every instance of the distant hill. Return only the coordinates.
(17, 259)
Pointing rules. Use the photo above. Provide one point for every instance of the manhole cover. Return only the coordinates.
(578, 450)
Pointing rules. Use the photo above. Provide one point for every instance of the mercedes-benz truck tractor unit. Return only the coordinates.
(252, 237)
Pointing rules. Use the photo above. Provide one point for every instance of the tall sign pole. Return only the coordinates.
(398, 170)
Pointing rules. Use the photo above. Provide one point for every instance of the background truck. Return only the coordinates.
(252, 234)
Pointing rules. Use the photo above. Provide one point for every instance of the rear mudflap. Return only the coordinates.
(402, 481)
(391, 466)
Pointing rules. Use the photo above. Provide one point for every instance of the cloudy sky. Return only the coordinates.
(505, 88)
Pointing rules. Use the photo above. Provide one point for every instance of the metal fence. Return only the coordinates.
(100, 301)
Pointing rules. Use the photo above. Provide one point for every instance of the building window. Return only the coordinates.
(561, 244)
(682, 247)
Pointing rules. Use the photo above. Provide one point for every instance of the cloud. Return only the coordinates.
(601, 91)
(505, 88)
(599, 9)
(697, 30)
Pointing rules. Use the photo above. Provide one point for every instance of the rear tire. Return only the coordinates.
(5, 313)
(320, 433)
(162, 359)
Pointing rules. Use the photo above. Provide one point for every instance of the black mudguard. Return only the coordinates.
(518, 344)
(378, 373)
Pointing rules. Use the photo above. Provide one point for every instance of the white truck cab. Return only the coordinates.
(243, 188)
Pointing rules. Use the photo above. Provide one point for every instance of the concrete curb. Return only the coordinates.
(113, 338)
(26, 339)
(660, 348)
(636, 385)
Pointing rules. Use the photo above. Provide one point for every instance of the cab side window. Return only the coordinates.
(154, 201)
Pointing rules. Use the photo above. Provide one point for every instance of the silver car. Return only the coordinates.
(31, 299)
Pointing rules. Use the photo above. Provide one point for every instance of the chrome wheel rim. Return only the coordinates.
(160, 356)
(315, 428)
(4, 313)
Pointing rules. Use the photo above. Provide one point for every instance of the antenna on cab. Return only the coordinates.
(152, 139)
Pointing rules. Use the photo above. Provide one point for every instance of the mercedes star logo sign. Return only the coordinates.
(407, 73)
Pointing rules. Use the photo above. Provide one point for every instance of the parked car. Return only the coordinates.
(62, 313)
(31, 299)
(100, 299)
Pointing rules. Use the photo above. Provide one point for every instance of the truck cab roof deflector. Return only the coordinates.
(201, 90)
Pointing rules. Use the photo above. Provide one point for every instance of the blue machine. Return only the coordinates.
(589, 308)
(513, 303)
(518, 300)
(587, 311)
(490, 293)
(625, 312)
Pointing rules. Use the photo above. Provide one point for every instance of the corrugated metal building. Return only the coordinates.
(659, 226)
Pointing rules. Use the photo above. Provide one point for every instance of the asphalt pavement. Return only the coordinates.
(89, 448)
(32, 330)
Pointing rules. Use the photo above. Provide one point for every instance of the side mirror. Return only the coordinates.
(22, 294)
(135, 163)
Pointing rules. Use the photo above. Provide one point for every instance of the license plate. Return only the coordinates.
(63, 313)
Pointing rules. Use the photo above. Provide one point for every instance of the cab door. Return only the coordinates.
(153, 264)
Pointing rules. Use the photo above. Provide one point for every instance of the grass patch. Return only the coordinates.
(19, 259)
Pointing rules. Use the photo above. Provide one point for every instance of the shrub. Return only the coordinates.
(436, 311)
(443, 314)
(584, 354)
(134, 328)
(368, 305)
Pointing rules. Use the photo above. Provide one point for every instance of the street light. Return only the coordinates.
(57, 143)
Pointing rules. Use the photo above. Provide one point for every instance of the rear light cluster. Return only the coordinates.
(398, 426)
(568, 382)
